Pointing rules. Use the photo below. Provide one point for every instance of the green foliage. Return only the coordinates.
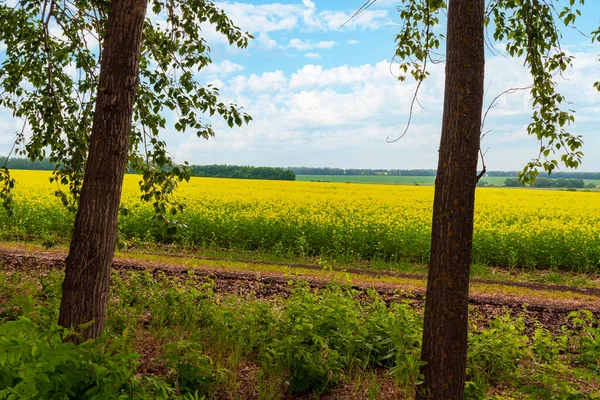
(418, 40)
(405, 334)
(192, 370)
(596, 38)
(313, 340)
(45, 39)
(171, 302)
(495, 353)
(35, 363)
(585, 337)
(530, 29)
(321, 335)
(8, 183)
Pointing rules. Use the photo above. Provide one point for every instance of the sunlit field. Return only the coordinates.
(513, 227)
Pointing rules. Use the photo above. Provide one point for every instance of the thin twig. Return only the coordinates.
(494, 102)
(362, 9)
(17, 140)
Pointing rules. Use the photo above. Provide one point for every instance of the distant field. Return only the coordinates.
(401, 180)
(382, 179)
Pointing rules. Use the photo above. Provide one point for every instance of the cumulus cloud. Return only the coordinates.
(225, 67)
(301, 45)
(264, 18)
(265, 42)
(316, 75)
(267, 81)
(309, 15)
(312, 55)
(325, 44)
(367, 20)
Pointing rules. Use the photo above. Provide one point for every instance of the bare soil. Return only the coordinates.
(497, 298)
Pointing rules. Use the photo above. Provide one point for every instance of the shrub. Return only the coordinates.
(36, 363)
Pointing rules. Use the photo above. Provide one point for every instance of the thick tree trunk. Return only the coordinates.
(87, 275)
(446, 308)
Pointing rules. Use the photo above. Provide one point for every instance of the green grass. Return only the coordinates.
(402, 180)
(334, 268)
(379, 179)
(173, 338)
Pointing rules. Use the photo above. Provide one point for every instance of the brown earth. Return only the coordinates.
(550, 303)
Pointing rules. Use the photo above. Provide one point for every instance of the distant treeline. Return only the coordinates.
(557, 179)
(214, 171)
(549, 183)
(243, 172)
(554, 175)
(432, 172)
(25, 163)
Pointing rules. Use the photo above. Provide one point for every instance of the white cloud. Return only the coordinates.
(369, 19)
(325, 44)
(334, 19)
(272, 17)
(353, 41)
(263, 18)
(310, 19)
(312, 55)
(301, 45)
(225, 67)
(266, 82)
(317, 76)
(265, 42)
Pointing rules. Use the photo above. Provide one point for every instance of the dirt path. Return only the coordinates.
(268, 277)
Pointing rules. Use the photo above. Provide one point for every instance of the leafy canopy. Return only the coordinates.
(49, 80)
(529, 29)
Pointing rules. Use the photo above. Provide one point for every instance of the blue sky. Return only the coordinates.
(325, 96)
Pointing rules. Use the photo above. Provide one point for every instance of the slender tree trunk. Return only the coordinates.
(87, 275)
(446, 308)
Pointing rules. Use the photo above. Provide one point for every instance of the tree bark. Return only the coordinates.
(446, 306)
(87, 274)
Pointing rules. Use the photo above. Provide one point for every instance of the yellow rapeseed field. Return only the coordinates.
(514, 227)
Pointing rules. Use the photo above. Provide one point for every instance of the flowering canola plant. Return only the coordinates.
(513, 227)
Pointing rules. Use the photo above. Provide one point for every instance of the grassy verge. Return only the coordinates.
(174, 337)
(245, 260)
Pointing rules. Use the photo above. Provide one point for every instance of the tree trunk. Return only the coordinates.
(87, 274)
(446, 306)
